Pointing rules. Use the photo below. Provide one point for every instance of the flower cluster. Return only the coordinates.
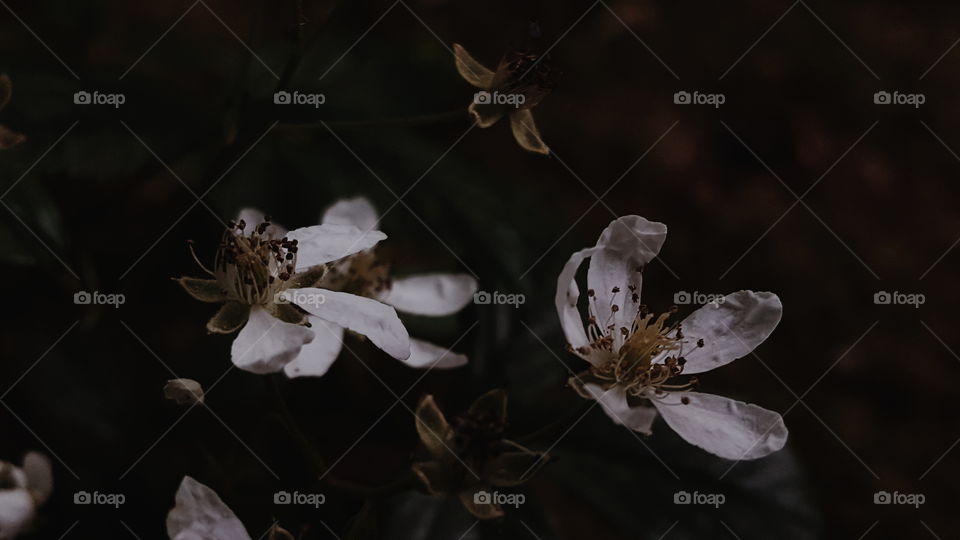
(293, 294)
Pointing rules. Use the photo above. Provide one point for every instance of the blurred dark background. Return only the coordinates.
(91, 207)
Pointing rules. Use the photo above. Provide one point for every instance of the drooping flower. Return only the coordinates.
(200, 514)
(366, 275)
(267, 279)
(470, 457)
(8, 137)
(22, 491)
(636, 357)
(519, 83)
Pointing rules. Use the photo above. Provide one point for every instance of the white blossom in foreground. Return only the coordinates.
(22, 491)
(267, 280)
(635, 357)
(199, 514)
(365, 275)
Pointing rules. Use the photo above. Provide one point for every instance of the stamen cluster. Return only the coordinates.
(253, 267)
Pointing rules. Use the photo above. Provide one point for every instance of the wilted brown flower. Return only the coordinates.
(514, 89)
(471, 456)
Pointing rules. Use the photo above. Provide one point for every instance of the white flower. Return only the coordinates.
(365, 275)
(201, 515)
(262, 274)
(22, 490)
(635, 356)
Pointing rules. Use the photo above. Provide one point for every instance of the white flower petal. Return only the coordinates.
(614, 403)
(722, 426)
(566, 300)
(321, 244)
(377, 321)
(428, 355)
(628, 243)
(253, 217)
(16, 511)
(729, 330)
(201, 515)
(316, 357)
(266, 344)
(358, 211)
(431, 294)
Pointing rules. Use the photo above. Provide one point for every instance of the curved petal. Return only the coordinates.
(253, 217)
(628, 243)
(358, 211)
(729, 330)
(321, 244)
(485, 114)
(267, 344)
(316, 357)
(526, 133)
(201, 515)
(431, 294)
(566, 298)
(39, 475)
(472, 71)
(722, 426)
(614, 403)
(428, 355)
(375, 320)
(16, 511)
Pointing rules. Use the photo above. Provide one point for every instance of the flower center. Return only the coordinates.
(478, 436)
(528, 74)
(363, 274)
(253, 266)
(633, 367)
